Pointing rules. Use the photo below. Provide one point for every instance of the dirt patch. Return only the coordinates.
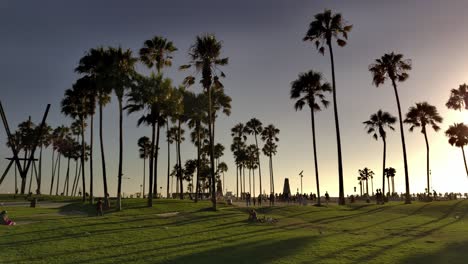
(166, 215)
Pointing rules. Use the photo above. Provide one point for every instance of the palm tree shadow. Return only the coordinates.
(448, 254)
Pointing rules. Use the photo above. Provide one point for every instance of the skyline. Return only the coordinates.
(258, 85)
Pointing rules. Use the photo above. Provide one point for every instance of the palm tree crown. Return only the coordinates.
(423, 114)
(325, 27)
(391, 66)
(378, 122)
(310, 89)
(458, 98)
(157, 52)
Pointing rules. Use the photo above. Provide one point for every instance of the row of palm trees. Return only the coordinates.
(248, 156)
(107, 70)
(310, 89)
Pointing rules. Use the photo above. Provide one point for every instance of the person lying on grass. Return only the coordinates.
(253, 218)
(5, 220)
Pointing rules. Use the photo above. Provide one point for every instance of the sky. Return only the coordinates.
(42, 42)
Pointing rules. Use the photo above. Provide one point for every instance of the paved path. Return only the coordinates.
(44, 204)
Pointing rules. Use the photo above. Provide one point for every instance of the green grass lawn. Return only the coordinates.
(434, 232)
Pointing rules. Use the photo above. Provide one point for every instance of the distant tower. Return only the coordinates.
(286, 189)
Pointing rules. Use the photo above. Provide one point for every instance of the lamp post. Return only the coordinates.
(300, 174)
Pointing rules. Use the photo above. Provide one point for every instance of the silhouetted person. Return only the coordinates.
(99, 210)
(327, 198)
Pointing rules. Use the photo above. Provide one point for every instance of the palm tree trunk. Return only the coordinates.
(119, 186)
(212, 172)
(144, 176)
(181, 189)
(315, 156)
(39, 179)
(388, 182)
(250, 181)
(83, 152)
(168, 159)
(383, 166)
(103, 159)
(427, 159)
(58, 175)
(360, 186)
(66, 183)
(197, 188)
(243, 173)
(464, 160)
(150, 187)
(408, 197)
(23, 175)
(272, 175)
(341, 200)
(155, 174)
(75, 178)
(393, 184)
(16, 179)
(53, 171)
(30, 180)
(367, 187)
(91, 135)
(259, 166)
(253, 181)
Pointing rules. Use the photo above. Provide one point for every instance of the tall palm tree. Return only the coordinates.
(422, 115)
(376, 127)
(151, 96)
(122, 71)
(218, 153)
(58, 135)
(254, 127)
(458, 136)
(95, 65)
(76, 104)
(392, 66)
(325, 28)
(458, 98)
(44, 142)
(205, 58)
(309, 88)
(365, 175)
(270, 136)
(222, 168)
(144, 150)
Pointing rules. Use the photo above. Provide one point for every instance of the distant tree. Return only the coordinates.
(254, 127)
(326, 27)
(365, 174)
(422, 115)
(458, 136)
(222, 168)
(205, 58)
(376, 127)
(458, 99)
(392, 66)
(239, 137)
(144, 150)
(270, 136)
(390, 173)
(310, 89)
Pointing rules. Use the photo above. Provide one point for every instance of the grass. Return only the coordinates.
(359, 233)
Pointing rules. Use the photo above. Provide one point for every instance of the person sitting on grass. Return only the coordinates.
(5, 220)
(252, 216)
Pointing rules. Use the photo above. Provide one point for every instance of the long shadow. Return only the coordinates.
(453, 253)
(403, 232)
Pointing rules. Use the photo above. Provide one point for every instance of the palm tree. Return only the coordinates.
(205, 58)
(419, 116)
(44, 142)
(365, 175)
(270, 136)
(458, 98)
(376, 127)
(122, 71)
(151, 96)
(58, 135)
(156, 52)
(254, 127)
(390, 173)
(322, 31)
(458, 136)
(310, 89)
(222, 168)
(145, 148)
(239, 138)
(392, 66)
(95, 65)
(218, 153)
(76, 104)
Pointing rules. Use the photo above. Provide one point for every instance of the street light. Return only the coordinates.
(300, 174)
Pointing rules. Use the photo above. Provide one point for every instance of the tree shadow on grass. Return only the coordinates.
(453, 253)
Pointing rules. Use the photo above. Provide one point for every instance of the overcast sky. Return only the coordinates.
(42, 42)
